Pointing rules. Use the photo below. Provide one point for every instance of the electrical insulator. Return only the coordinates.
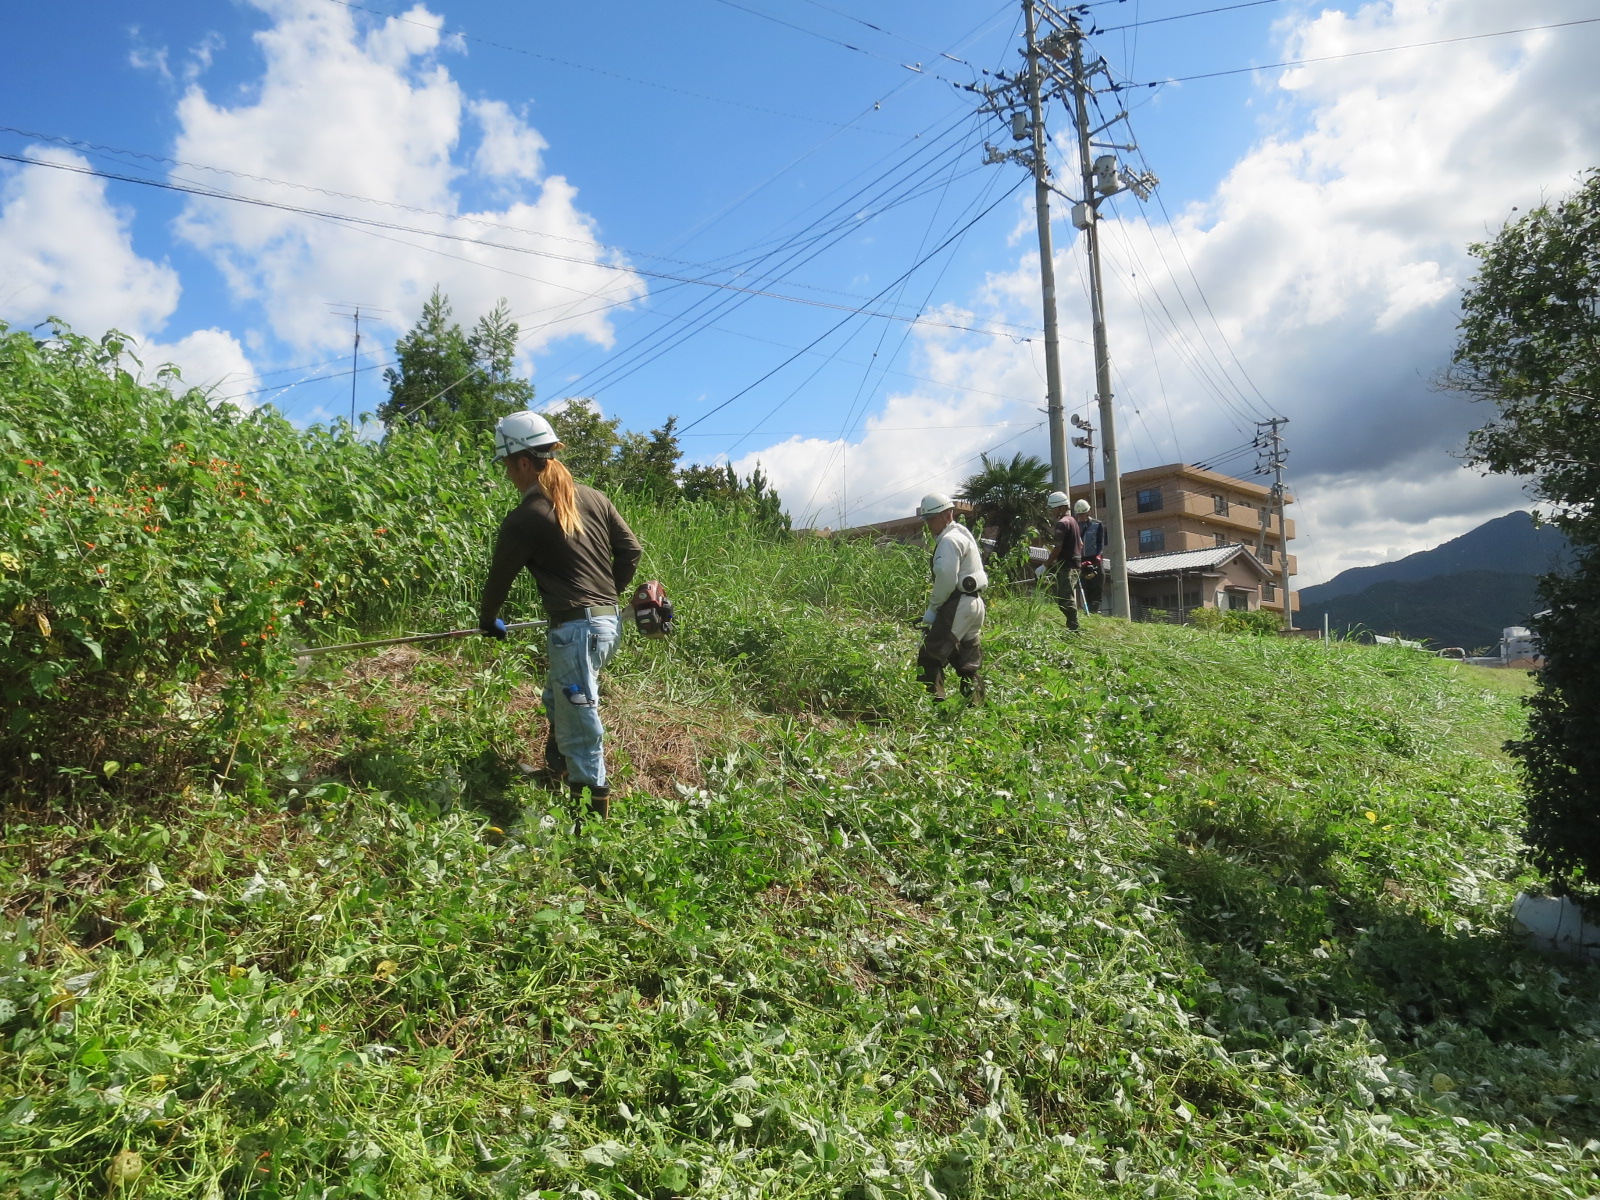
(1019, 127)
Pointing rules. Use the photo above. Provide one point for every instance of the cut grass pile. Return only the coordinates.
(1174, 914)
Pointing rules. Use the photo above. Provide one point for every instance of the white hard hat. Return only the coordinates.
(524, 431)
(1081, 507)
(1056, 500)
(933, 503)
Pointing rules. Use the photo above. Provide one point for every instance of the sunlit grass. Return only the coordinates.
(1173, 914)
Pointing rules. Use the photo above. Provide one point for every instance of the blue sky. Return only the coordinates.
(1303, 256)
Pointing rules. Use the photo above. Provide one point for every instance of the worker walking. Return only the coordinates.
(954, 616)
(1092, 569)
(1066, 553)
(582, 556)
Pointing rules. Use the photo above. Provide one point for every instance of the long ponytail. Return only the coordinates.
(557, 483)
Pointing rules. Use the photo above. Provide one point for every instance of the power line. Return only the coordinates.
(839, 12)
(1300, 62)
(105, 150)
(346, 218)
(799, 247)
(754, 12)
(1204, 12)
(566, 62)
(748, 387)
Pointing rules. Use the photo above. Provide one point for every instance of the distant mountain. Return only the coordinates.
(1511, 544)
(1466, 609)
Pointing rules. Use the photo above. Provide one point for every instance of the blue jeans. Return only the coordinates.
(578, 650)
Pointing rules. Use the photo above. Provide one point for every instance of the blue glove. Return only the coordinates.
(495, 629)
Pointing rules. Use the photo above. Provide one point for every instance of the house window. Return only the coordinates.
(1149, 499)
(1219, 504)
(1266, 553)
(1191, 598)
(1221, 539)
(1152, 541)
(1268, 592)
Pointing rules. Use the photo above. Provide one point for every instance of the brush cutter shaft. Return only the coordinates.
(415, 637)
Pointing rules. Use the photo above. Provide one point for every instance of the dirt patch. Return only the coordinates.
(385, 664)
(651, 745)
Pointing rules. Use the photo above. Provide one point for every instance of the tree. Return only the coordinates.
(1009, 496)
(648, 465)
(721, 486)
(1529, 342)
(449, 379)
(589, 440)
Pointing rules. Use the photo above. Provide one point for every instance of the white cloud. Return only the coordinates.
(66, 252)
(397, 139)
(509, 149)
(209, 359)
(1332, 255)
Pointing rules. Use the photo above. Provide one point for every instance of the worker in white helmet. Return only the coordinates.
(1066, 554)
(954, 616)
(582, 556)
(1092, 566)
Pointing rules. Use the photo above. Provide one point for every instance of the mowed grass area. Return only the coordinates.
(1174, 914)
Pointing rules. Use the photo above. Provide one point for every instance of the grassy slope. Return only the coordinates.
(1174, 914)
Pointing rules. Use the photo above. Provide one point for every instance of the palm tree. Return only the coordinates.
(1009, 496)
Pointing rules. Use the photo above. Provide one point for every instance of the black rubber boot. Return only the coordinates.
(599, 804)
(555, 762)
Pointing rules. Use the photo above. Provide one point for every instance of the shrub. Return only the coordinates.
(161, 553)
(1260, 622)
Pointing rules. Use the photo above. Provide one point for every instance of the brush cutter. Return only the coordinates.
(415, 637)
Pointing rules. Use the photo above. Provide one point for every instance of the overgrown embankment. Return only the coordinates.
(1174, 914)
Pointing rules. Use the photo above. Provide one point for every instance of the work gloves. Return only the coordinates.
(1038, 572)
(495, 629)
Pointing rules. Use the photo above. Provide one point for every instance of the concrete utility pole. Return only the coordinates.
(1056, 68)
(1274, 455)
(1059, 474)
(1085, 215)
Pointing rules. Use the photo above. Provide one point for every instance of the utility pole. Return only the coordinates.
(1086, 444)
(1274, 454)
(1047, 262)
(1056, 69)
(355, 352)
(1086, 215)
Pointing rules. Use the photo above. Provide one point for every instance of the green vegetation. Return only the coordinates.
(1010, 496)
(1529, 342)
(454, 382)
(1174, 914)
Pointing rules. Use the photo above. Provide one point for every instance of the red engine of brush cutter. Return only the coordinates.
(652, 611)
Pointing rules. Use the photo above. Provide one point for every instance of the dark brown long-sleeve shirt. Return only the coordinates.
(593, 567)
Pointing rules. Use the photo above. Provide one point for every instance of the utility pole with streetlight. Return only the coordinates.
(1056, 69)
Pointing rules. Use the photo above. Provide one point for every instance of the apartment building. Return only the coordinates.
(1178, 509)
